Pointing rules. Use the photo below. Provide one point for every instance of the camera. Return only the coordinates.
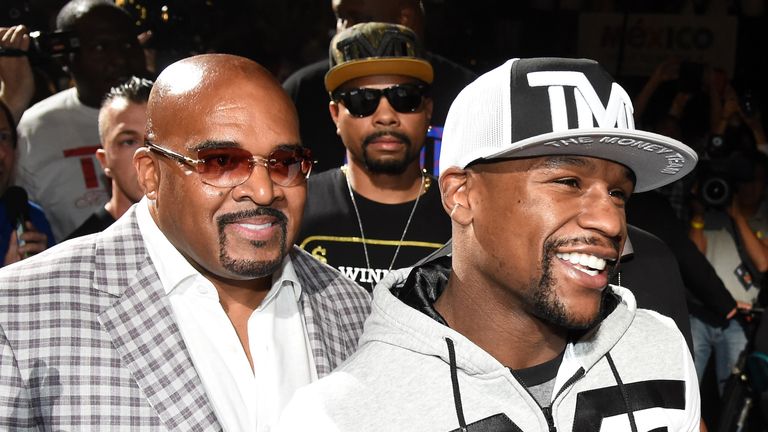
(52, 44)
(721, 172)
(44, 46)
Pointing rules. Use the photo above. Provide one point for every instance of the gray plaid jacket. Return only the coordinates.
(88, 340)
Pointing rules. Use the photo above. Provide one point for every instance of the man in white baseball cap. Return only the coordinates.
(520, 330)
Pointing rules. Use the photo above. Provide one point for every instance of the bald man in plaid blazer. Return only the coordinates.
(91, 339)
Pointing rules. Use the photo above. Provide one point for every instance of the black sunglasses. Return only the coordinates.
(363, 101)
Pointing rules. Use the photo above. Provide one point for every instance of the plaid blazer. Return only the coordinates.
(88, 339)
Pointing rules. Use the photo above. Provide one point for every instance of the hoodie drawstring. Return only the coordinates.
(455, 382)
(623, 391)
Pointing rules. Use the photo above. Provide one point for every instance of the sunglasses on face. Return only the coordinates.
(231, 166)
(363, 101)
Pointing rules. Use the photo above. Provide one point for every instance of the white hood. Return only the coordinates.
(396, 323)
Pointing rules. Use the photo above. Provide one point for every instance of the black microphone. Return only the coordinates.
(17, 210)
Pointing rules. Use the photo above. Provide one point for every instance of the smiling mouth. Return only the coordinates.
(256, 227)
(586, 263)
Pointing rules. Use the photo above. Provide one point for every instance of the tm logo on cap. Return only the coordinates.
(618, 112)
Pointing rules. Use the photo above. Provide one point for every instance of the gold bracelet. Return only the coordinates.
(697, 224)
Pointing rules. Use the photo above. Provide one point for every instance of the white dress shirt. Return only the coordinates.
(243, 399)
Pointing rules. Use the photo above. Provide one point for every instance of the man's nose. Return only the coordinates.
(385, 114)
(258, 187)
(600, 212)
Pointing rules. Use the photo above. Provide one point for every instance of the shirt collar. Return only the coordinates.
(284, 278)
(172, 268)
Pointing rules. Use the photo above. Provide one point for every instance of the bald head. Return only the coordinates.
(220, 79)
(71, 12)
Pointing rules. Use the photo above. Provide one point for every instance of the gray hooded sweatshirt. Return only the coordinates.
(632, 372)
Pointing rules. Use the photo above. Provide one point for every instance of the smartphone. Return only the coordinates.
(19, 241)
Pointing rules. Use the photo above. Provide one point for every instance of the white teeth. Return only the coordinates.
(596, 263)
(587, 271)
(256, 227)
(589, 264)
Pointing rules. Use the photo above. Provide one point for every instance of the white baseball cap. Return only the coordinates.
(557, 106)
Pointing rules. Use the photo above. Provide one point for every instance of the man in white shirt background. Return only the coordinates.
(59, 135)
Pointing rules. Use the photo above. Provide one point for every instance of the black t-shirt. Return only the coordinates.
(540, 379)
(331, 233)
(306, 87)
(97, 222)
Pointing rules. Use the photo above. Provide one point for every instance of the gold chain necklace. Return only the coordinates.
(425, 183)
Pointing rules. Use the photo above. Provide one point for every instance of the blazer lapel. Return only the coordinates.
(328, 305)
(147, 339)
(325, 335)
(150, 345)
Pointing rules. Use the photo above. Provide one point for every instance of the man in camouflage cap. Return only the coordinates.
(381, 210)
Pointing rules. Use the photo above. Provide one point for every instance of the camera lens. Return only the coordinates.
(716, 192)
(716, 147)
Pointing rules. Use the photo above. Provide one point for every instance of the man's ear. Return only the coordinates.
(148, 172)
(101, 156)
(453, 185)
(334, 108)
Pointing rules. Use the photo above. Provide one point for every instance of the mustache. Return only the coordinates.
(229, 218)
(591, 241)
(399, 135)
(612, 267)
(552, 245)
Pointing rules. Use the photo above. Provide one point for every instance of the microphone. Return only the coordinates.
(17, 210)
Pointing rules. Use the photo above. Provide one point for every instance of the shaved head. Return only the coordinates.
(71, 12)
(180, 85)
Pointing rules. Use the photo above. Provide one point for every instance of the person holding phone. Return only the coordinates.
(24, 229)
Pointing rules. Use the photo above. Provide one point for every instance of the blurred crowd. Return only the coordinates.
(73, 112)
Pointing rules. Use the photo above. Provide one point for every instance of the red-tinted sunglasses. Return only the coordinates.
(231, 166)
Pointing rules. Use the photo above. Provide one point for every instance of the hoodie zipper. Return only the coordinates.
(548, 410)
(550, 421)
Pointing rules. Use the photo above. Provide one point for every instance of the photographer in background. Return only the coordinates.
(681, 99)
(17, 84)
(58, 136)
(730, 219)
(24, 230)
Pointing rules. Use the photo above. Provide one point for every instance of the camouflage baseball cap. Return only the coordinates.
(376, 49)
